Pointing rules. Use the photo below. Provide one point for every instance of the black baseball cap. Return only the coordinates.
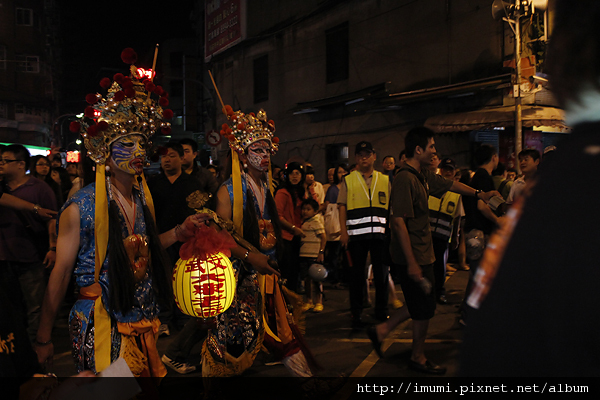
(364, 146)
(447, 163)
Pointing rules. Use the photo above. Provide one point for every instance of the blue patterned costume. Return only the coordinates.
(238, 334)
(81, 318)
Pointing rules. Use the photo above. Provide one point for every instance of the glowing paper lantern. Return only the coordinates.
(204, 288)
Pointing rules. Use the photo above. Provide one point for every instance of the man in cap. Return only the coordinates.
(445, 213)
(363, 209)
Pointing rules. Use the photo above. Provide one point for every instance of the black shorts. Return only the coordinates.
(421, 306)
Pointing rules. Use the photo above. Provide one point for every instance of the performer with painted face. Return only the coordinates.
(259, 313)
(107, 235)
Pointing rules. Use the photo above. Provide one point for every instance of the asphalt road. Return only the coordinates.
(338, 348)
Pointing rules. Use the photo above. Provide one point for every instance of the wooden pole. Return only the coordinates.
(218, 94)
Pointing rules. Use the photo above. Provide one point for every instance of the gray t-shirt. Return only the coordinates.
(410, 193)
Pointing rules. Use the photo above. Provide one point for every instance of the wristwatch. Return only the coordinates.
(477, 191)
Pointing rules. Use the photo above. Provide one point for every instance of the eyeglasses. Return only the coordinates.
(5, 161)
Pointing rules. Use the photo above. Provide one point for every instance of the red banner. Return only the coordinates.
(224, 24)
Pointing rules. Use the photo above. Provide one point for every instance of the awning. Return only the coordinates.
(492, 117)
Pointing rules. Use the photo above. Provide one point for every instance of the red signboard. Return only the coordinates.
(224, 24)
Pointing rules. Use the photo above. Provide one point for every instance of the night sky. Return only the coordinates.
(94, 33)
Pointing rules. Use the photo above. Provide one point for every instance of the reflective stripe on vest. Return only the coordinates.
(442, 213)
(367, 208)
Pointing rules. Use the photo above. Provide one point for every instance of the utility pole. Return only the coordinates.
(517, 84)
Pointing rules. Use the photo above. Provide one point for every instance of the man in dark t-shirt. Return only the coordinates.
(411, 244)
(479, 214)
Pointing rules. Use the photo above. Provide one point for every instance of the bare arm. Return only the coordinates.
(487, 211)
(461, 188)
(343, 228)
(321, 256)
(68, 246)
(50, 258)
(8, 200)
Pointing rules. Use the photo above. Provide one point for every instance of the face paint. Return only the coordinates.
(128, 154)
(258, 155)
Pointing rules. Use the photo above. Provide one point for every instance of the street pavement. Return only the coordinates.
(338, 348)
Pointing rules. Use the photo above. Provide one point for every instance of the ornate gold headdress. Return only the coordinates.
(129, 107)
(245, 129)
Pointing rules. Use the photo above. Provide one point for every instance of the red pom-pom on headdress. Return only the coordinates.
(275, 140)
(92, 130)
(150, 86)
(119, 96)
(129, 56)
(166, 131)
(102, 125)
(228, 110)
(105, 83)
(75, 127)
(167, 114)
(91, 98)
(129, 92)
(118, 77)
(163, 101)
(89, 112)
(127, 83)
(158, 90)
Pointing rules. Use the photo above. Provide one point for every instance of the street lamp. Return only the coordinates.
(512, 12)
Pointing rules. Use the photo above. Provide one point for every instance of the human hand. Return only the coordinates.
(414, 272)
(486, 196)
(320, 258)
(68, 386)
(46, 213)
(45, 354)
(298, 232)
(260, 262)
(344, 239)
(50, 259)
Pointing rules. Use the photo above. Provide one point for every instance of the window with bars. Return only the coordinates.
(24, 16)
(30, 64)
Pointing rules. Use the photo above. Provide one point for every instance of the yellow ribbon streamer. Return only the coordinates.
(238, 199)
(102, 339)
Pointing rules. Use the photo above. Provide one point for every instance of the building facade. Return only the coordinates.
(333, 73)
(28, 74)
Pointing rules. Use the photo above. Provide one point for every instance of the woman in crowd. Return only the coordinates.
(289, 207)
(332, 228)
(61, 177)
(40, 168)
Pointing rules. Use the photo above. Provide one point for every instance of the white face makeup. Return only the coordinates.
(259, 155)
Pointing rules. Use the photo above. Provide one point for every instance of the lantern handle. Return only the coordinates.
(227, 224)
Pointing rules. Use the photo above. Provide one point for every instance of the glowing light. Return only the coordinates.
(73, 156)
(148, 73)
(78, 141)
